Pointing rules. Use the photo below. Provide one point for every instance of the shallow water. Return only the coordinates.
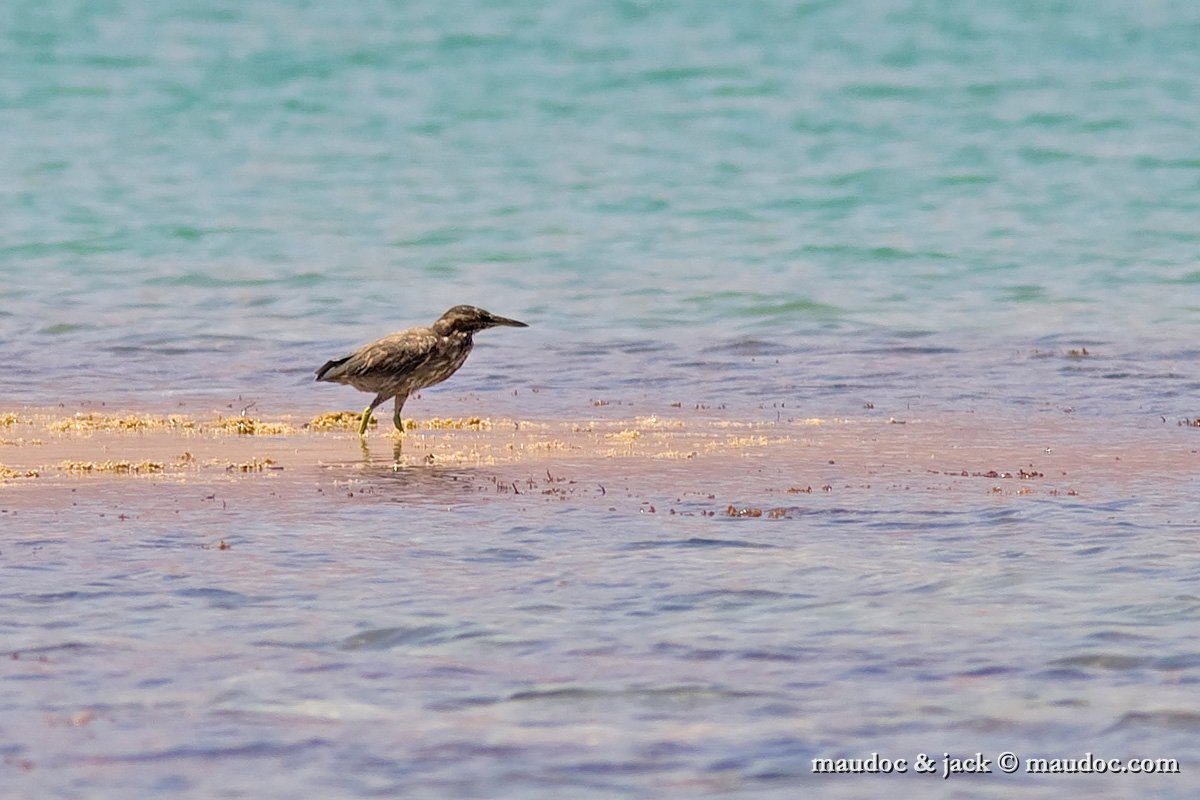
(750, 212)
(411, 633)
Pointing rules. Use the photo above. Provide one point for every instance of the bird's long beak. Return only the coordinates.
(512, 323)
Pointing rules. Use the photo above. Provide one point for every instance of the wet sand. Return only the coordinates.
(643, 464)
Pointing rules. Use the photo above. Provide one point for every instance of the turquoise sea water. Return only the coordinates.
(198, 194)
(818, 204)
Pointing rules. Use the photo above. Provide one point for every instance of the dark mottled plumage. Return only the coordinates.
(404, 362)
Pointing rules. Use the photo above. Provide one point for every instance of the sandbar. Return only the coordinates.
(724, 466)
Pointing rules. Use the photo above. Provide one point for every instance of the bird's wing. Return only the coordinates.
(392, 356)
(327, 371)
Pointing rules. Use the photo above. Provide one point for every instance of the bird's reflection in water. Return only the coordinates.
(397, 452)
(414, 479)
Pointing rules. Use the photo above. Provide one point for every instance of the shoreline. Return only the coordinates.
(1042, 455)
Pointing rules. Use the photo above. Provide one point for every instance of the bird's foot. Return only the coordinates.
(366, 419)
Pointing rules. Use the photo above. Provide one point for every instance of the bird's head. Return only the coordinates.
(469, 319)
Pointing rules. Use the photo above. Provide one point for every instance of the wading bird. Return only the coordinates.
(405, 362)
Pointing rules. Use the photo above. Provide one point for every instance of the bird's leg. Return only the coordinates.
(366, 415)
(400, 398)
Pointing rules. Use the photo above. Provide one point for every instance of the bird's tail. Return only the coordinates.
(323, 374)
